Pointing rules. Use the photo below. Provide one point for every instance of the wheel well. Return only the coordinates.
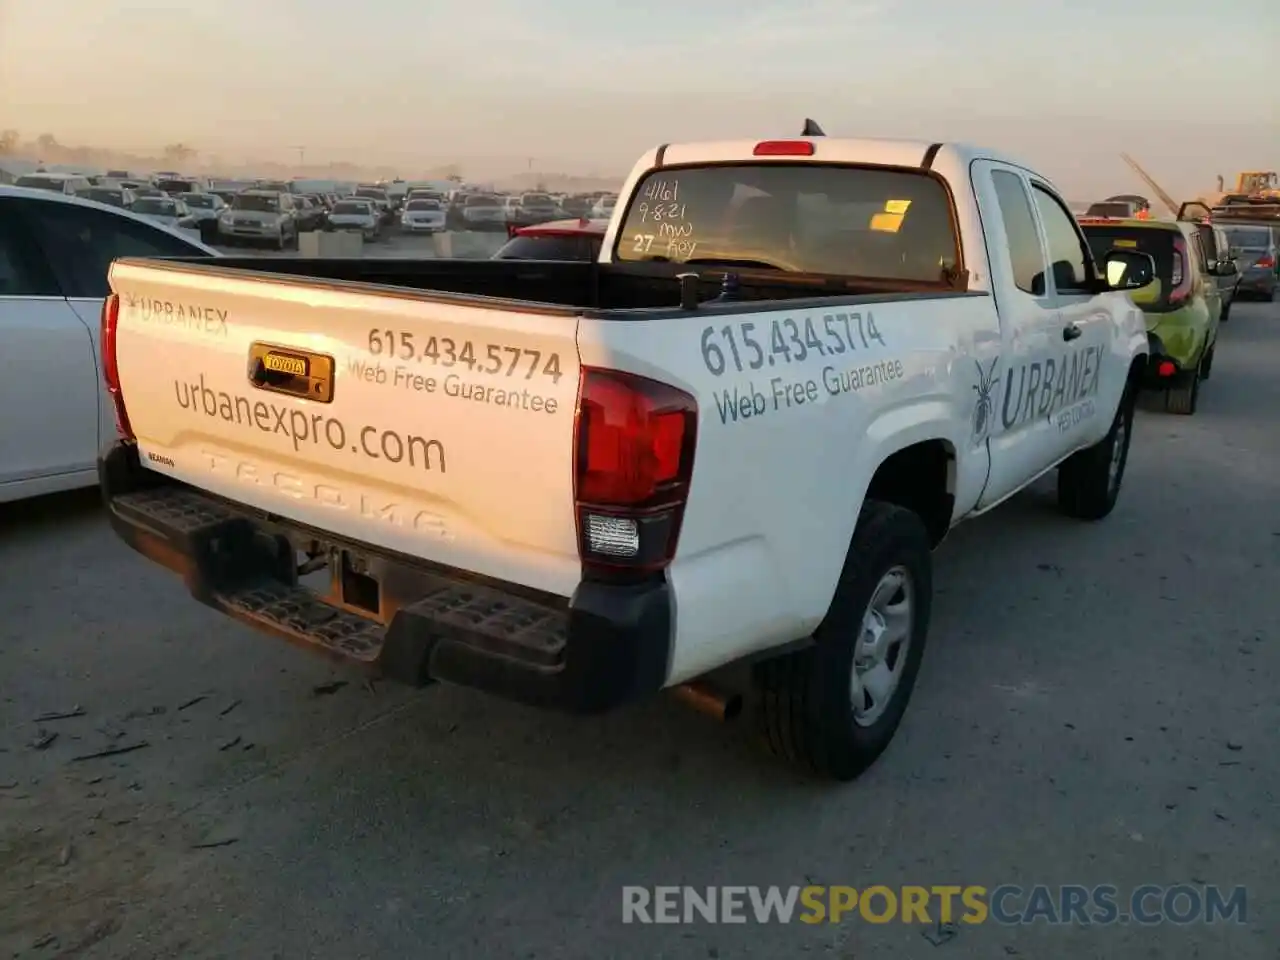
(920, 478)
(1136, 370)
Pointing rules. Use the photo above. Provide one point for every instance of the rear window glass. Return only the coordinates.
(1110, 209)
(256, 202)
(40, 183)
(1250, 238)
(164, 208)
(1156, 243)
(803, 218)
(550, 248)
(483, 201)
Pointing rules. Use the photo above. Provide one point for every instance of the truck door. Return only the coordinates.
(1021, 443)
(1088, 364)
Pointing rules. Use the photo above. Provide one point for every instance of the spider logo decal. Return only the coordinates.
(985, 407)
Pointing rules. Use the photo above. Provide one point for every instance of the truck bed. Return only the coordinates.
(570, 286)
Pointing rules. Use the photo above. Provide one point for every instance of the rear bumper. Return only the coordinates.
(607, 645)
(1256, 283)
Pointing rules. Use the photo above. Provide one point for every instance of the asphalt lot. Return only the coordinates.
(1098, 705)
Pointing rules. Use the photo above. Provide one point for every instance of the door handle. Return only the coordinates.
(1071, 332)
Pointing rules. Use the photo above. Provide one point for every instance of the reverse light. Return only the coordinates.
(110, 367)
(633, 460)
(783, 148)
(1181, 277)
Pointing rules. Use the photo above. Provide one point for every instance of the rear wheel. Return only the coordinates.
(1226, 312)
(833, 707)
(1183, 398)
(1089, 480)
(1206, 365)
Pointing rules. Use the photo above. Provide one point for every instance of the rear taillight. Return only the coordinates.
(1266, 262)
(110, 369)
(1180, 281)
(633, 459)
(783, 148)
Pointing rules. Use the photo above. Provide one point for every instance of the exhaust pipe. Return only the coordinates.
(705, 698)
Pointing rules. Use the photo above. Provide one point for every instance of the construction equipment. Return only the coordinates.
(1167, 200)
(1258, 183)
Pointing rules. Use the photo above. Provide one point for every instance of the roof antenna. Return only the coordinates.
(811, 129)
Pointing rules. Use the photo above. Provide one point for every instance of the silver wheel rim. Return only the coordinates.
(1117, 452)
(880, 655)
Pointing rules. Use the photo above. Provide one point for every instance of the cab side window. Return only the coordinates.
(1025, 252)
(1069, 256)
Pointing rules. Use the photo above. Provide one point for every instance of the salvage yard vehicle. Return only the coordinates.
(557, 240)
(736, 437)
(1183, 308)
(54, 254)
(422, 216)
(1258, 240)
(259, 216)
(363, 215)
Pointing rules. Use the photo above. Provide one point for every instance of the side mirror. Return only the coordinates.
(1128, 269)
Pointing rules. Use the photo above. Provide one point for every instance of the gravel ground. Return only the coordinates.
(1097, 706)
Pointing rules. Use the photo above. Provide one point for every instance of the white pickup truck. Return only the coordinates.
(736, 437)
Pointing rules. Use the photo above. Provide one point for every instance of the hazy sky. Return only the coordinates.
(583, 85)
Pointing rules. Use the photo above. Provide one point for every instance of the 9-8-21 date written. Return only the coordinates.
(491, 358)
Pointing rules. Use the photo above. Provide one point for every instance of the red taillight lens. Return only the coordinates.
(1181, 279)
(632, 467)
(110, 369)
(1266, 262)
(1166, 369)
(784, 148)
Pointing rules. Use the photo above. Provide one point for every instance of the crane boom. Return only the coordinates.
(1167, 200)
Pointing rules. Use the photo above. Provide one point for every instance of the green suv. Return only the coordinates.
(1183, 307)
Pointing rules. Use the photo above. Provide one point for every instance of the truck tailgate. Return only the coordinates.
(439, 430)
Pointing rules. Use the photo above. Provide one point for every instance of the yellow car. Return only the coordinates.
(1183, 307)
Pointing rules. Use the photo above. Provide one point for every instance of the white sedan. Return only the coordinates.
(422, 216)
(54, 255)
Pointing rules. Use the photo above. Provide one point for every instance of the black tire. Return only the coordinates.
(1271, 295)
(1184, 397)
(1087, 487)
(1226, 312)
(806, 697)
(1206, 365)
